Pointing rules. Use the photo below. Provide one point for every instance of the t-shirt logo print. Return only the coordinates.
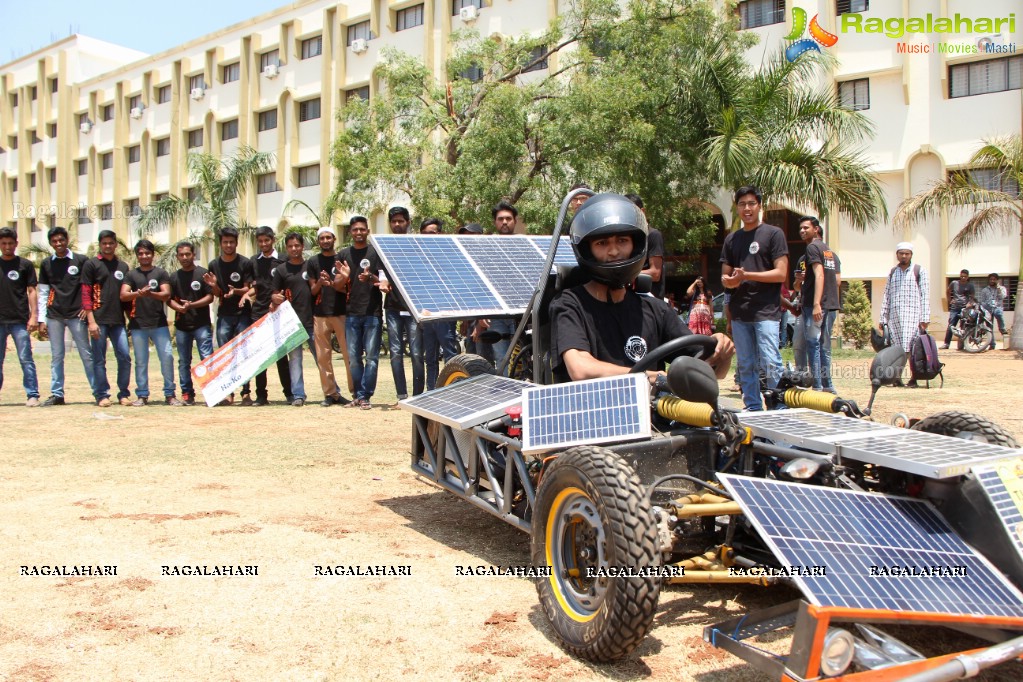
(118, 275)
(72, 270)
(195, 285)
(635, 348)
(13, 275)
(235, 277)
(754, 247)
(153, 284)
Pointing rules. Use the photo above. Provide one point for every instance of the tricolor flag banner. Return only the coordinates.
(272, 337)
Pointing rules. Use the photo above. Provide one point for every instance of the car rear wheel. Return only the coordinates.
(958, 424)
(591, 522)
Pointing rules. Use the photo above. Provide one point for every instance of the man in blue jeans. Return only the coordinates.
(436, 336)
(291, 283)
(60, 308)
(401, 326)
(230, 276)
(190, 300)
(18, 312)
(147, 289)
(820, 301)
(102, 278)
(754, 261)
(365, 306)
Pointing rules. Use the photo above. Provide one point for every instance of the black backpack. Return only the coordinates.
(923, 359)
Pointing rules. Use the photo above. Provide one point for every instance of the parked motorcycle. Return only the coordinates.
(975, 328)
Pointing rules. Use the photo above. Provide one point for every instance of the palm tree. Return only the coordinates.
(773, 128)
(219, 183)
(994, 210)
(323, 217)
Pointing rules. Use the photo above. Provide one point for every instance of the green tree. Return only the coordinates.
(995, 211)
(219, 184)
(857, 320)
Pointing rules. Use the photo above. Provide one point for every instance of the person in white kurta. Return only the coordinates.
(906, 307)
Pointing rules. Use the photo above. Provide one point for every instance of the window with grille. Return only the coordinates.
(33, 137)
(990, 75)
(160, 196)
(106, 161)
(312, 47)
(358, 31)
(357, 93)
(83, 215)
(195, 138)
(267, 120)
(82, 167)
(267, 183)
(309, 109)
(754, 13)
(83, 118)
(309, 176)
(459, 4)
(54, 85)
(473, 74)
(52, 172)
(995, 180)
(14, 141)
(134, 154)
(106, 211)
(538, 55)
(132, 208)
(197, 82)
(271, 58)
(33, 93)
(51, 130)
(134, 102)
(852, 6)
(14, 99)
(229, 130)
(31, 179)
(163, 146)
(163, 94)
(231, 73)
(410, 17)
(106, 112)
(854, 95)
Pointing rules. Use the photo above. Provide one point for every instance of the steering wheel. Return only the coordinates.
(704, 347)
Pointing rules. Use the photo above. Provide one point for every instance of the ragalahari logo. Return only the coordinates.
(818, 36)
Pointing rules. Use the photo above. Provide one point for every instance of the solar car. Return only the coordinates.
(624, 489)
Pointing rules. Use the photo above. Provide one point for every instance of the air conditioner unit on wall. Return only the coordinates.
(271, 71)
(86, 126)
(198, 93)
(469, 13)
(136, 112)
(360, 45)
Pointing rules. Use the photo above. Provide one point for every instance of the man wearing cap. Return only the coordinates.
(905, 307)
(327, 284)
(401, 326)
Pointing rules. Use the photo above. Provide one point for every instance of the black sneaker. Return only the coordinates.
(333, 400)
(188, 398)
(297, 402)
(260, 402)
(53, 400)
(341, 400)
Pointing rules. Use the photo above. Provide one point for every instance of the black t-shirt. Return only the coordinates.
(619, 333)
(364, 298)
(960, 294)
(105, 277)
(235, 273)
(329, 302)
(655, 247)
(18, 275)
(188, 286)
(147, 312)
(755, 251)
(64, 276)
(819, 252)
(293, 280)
(263, 274)
(394, 300)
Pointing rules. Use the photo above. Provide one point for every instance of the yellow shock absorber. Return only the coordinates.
(693, 414)
(815, 400)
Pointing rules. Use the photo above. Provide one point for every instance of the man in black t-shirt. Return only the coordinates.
(102, 278)
(960, 293)
(60, 308)
(754, 261)
(291, 283)
(401, 326)
(147, 288)
(820, 301)
(18, 312)
(653, 266)
(263, 266)
(190, 300)
(436, 337)
(230, 276)
(328, 280)
(365, 305)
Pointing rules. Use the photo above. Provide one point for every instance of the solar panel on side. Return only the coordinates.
(1003, 485)
(435, 277)
(926, 454)
(565, 254)
(511, 264)
(469, 402)
(809, 428)
(876, 551)
(608, 410)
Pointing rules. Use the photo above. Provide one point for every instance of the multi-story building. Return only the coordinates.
(91, 132)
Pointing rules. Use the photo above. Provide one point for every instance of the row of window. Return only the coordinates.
(756, 13)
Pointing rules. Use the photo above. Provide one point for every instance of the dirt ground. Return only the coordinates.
(288, 490)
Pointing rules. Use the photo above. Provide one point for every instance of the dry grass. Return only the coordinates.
(288, 489)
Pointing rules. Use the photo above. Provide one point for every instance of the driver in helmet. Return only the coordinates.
(603, 327)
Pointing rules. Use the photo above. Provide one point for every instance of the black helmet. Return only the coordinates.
(603, 215)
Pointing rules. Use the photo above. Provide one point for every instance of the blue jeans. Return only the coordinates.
(23, 343)
(505, 328)
(80, 334)
(756, 350)
(399, 328)
(818, 346)
(295, 368)
(799, 346)
(228, 327)
(363, 332)
(437, 336)
(140, 344)
(118, 336)
(203, 338)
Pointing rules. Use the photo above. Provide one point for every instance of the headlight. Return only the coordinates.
(839, 647)
(800, 469)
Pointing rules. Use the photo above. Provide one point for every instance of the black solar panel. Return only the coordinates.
(595, 411)
(877, 551)
(467, 403)
(512, 265)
